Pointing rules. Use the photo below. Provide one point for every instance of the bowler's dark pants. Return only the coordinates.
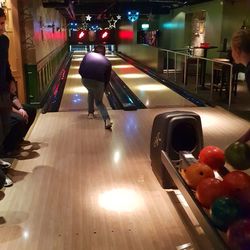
(5, 110)
(18, 128)
(95, 93)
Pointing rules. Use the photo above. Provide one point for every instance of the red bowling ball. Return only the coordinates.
(213, 157)
(208, 190)
(236, 181)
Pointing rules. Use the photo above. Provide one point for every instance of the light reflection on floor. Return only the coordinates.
(120, 200)
(122, 66)
(151, 92)
(148, 90)
(133, 76)
(151, 87)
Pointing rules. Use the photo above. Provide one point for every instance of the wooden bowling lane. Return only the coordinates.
(88, 188)
(75, 95)
(78, 186)
(152, 93)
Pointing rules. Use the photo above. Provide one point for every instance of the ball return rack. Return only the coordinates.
(186, 158)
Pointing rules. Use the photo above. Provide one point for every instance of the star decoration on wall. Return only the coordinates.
(88, 18)
(118, 17)
(112, 23)
(84, 25)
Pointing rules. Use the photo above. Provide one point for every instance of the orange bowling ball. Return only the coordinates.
(196, 172)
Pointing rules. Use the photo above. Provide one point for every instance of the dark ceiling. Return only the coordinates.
(122, 6)
(155, 7)
(76, 9)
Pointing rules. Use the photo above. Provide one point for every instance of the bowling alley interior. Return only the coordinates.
(173, 171)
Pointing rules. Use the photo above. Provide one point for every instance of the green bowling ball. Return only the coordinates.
(224, 211)
(238, 155)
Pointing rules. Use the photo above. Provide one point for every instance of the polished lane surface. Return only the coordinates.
(152, 93)
(78, 186)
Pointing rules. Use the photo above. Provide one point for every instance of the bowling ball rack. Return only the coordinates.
(216, 238)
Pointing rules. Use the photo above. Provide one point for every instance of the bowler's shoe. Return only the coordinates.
(91, 116)
(108, 124)
(8, 182)
(4, 164)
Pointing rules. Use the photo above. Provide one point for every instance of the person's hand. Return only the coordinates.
(24, 114)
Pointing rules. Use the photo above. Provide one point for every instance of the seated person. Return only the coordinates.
(22, 117)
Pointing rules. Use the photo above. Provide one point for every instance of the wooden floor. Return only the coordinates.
(78, 186)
